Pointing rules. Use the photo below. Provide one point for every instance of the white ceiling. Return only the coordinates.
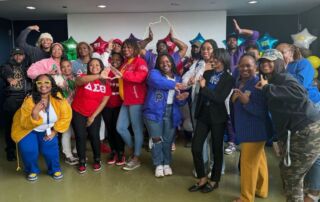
(53, 9)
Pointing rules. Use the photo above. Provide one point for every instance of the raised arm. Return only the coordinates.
(181, 46)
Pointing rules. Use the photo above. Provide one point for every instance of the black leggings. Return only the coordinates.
(200, 135)
(79, 126)
(10, 106)
(110, 117)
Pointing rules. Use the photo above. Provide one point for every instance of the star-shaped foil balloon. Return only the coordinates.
(267, 42)
(70, 48)
(170, 44)
(99, 45)
(198, 38)
(303, 39)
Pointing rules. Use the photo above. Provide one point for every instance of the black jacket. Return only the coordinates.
(16, 71)
(216, 97)
(289, 104)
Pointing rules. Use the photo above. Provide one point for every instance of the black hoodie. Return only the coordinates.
(16, 71)
(289, 104)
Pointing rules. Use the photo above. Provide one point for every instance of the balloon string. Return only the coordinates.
(160, 20)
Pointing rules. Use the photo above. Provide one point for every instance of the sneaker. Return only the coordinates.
(82, 168)
(173, 147)
(167, 170)
(97, 166)
(230, 148)
(32, 177)
(113, 158)
(131, 165)
(71, 161)
(121, 161)
(104, 148)
(159, 172)
(57, 175)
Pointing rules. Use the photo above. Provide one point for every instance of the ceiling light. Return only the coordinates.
(31, 7)
(175, 4)
(101, 6)
(252, 2)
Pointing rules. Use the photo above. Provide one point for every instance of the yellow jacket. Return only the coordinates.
(23, 123)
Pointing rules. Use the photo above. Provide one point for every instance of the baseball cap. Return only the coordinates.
(16, 51)
(272, 55)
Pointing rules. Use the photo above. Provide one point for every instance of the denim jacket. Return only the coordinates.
(156, 100)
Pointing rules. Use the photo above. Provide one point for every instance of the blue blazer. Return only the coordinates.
(156, 100)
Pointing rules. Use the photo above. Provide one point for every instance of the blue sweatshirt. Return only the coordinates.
(251, 118)
(303, 71)
(156, 100)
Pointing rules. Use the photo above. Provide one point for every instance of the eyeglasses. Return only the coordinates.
(41, 83)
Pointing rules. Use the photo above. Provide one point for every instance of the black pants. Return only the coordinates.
(200, 135)
(10, 106)
(110, 117)
(79, 126)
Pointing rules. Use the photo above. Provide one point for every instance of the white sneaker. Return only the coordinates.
(159, 171)
(230, 148)
(167, 170)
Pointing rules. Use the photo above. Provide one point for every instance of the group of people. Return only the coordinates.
(127, 88)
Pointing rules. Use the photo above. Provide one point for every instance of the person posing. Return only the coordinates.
(301, 69)
(17, 85)
(296, 119)
(92, 94)
(42, 48)
(211, 115)
(132, 89)
(236, 51)
(111, 113)
(161, 111)
(250, 118)
(162, 47)
(68, 91)
(84, 53)
(48, 66)
(36, 125)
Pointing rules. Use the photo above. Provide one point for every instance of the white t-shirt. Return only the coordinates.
(170, 93)
(52, 119)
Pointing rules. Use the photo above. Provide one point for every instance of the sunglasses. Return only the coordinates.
(41, 83)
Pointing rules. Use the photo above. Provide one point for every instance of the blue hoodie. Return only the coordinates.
(303, 71)
(156, 100)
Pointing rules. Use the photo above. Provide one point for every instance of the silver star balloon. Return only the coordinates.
(303, 39)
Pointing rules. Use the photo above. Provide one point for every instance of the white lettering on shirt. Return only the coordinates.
(96, 87)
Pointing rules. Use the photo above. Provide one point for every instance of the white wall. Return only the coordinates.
(87, 27)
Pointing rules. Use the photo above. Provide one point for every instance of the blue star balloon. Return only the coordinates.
(198, 38)
(267, 42)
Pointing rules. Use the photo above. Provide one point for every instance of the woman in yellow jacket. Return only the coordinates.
(36, 125)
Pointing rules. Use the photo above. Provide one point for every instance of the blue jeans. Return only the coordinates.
(33, 144)
(131, 114)
(312, 179)
(161, 150)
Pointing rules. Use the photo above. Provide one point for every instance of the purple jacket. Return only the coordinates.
(235, 57)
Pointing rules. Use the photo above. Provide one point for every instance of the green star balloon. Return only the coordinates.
(70, 48)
